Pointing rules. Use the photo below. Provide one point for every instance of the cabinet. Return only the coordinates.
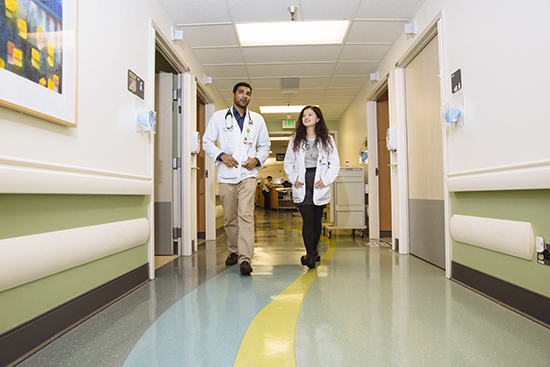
(349, 200)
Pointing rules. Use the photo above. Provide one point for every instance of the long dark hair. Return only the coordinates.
(321, 131)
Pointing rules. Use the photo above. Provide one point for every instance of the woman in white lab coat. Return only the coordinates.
(311, 164)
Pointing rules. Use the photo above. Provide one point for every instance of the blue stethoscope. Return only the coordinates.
(250, 122)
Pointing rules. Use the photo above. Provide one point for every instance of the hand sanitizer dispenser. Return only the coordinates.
(195, 142)
(391, 139)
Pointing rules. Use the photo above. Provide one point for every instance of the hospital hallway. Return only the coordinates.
(364, 305)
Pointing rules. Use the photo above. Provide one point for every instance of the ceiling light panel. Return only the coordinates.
(292, 33)
(281, 109)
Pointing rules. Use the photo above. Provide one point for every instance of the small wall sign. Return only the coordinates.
(135, 84)
(456, 81)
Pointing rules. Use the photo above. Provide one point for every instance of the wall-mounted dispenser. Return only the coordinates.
(145, 121)
(195, 142)
(391, 139)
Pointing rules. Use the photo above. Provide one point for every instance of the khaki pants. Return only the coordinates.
(238, 214)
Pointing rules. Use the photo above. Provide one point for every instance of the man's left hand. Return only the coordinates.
(250, 163)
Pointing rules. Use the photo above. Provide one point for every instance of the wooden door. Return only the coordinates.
(425, 156)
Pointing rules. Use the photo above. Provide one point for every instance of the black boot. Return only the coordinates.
(308, 260)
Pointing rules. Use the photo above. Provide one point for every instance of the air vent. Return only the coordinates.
(290, 83)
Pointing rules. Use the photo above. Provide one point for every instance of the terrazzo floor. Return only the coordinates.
(364, 305)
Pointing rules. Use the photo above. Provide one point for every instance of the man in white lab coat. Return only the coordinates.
(243, 148)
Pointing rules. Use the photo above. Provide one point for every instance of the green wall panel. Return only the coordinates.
(22, 303)
(526, 206)
(27, 214)
(22, 215)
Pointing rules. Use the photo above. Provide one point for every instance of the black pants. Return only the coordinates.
(267, 199)
(311, 227)
(311, 215)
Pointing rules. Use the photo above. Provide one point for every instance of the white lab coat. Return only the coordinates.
(328, 167)
(252, 142)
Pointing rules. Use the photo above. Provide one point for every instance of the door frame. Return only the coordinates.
(399, 120)
(210, 167)
(156, 40)
(372, 142)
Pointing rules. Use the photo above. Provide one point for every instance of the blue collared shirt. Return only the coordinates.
(239, 118)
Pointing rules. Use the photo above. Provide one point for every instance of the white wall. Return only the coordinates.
(112, 38)
(500, 49)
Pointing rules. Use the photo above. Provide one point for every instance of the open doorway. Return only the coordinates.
(165, 150)
(384, 182)
(201, 171)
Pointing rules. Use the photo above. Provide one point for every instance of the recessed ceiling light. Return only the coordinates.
(281, 109)
(292, 33)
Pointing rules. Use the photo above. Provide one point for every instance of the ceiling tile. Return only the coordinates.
(354, 68)
(375, 31)
(259, 11)
(291, 70)
(338, 101)
(291, 53)
(364, 52)
(388, 9)
(215, 35)
(219, 55)
(341, 92)
(205, 11)
(238, 71)
(327, 10)
(315, 83)
(266, 83)
(348, 82)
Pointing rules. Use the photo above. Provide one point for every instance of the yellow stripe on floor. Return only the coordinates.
(269, 340)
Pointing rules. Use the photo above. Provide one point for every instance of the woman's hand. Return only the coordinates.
(319, 184)
(298, 184)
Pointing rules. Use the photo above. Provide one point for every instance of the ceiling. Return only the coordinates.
(329, 75)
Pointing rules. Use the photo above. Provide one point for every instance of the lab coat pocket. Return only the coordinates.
(298, 195)
(228, 172)
(322, 195)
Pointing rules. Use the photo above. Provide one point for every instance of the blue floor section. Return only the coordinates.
(205, 328)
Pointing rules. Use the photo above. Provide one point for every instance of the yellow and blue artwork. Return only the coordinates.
(31, 38)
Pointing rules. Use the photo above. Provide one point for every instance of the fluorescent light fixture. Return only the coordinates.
(279, 138)
(292, 33)
(281, 109)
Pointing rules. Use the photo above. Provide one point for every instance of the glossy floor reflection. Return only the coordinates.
(365, 306)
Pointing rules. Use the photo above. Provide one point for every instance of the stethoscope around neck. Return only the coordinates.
(228, 113)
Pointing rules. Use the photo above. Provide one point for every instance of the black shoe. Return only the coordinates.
(308, 260)
(316, 256)
(246, 269)
(232, 259)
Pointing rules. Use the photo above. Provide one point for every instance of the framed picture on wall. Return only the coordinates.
(38, 71)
